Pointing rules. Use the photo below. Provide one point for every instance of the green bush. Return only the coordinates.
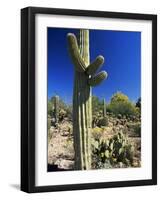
(123, 108)
(50, 108)
(69, 112)
(97, 105)
(121, 105)
(119, 97)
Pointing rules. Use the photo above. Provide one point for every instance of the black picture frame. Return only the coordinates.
(28, 99)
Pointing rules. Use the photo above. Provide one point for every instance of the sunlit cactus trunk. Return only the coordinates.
(82, 110)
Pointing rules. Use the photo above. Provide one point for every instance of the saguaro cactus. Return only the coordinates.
(56, 109)
(104, 107)
(82, 108)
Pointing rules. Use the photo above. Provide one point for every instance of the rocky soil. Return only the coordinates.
(60, 143)
(60, 146)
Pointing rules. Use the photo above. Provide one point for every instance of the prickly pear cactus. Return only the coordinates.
(84, 79)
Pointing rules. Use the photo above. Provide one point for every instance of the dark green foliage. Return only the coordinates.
(138, 107)
(138, 103)
(103, 122)
(113, 151)
(97, 106)
(50, 108)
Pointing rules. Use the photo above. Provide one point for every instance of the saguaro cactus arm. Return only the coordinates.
(96, 80)
(74, 52)
(78, 60)
(95, 65)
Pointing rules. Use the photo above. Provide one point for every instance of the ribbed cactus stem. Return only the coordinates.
(82, 105)
(56, 109)
(83, 41)
(82, 108)
(104, 107)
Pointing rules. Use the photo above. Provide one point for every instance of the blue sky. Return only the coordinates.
(122, 53)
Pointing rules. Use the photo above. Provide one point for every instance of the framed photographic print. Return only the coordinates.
(88, 99)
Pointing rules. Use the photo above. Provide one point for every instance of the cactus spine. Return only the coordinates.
(104, 107)
(56, 109)
(82, 105)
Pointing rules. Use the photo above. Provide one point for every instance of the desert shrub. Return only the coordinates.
(123, 108)
(103, 122)
(65, 110)
(119, 97)
(120, 105)
(135, 128)
(95, 120)
(62, 114)
(69, 112)
(62, 104)
(115, 152)
(97, 133)
(97, 106)
(50, 108)
(49, 125)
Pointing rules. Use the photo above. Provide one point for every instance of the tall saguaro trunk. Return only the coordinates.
(82, 109)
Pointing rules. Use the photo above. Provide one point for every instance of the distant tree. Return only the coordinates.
(119, 97)
(120, 104)
(138, 103)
